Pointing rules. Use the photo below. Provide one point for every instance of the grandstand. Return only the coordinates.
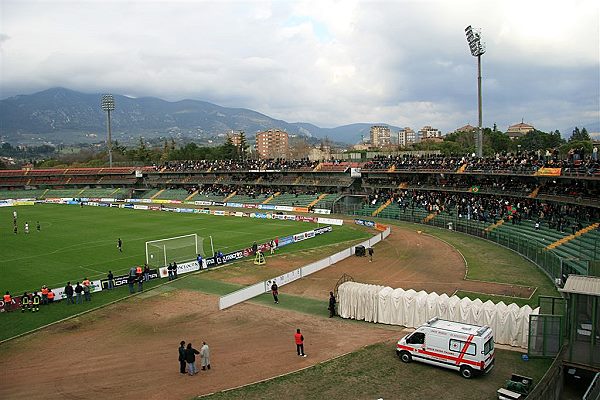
(508, 199)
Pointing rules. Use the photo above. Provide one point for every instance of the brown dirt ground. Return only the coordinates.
(129, 350)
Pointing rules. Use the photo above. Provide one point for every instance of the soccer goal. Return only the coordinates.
(179, 249)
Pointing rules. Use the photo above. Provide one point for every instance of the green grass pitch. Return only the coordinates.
(75, 242)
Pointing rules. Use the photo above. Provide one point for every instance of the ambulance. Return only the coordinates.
(462, 347)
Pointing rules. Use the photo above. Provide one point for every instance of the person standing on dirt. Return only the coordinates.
(190, 358)
(205, 355)
(370, 254)
(299, 339)
(331, 305)
(182, 357)
(275, 292)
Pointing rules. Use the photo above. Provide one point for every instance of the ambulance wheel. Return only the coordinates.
(466, 372)
(405, 356)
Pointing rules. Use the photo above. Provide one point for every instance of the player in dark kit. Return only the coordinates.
(120, 245)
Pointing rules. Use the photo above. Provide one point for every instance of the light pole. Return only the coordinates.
(477, 49)
(108, 105)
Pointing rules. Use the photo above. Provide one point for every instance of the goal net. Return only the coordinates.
(179, 249)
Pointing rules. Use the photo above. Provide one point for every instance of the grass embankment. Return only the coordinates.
(375, 372)
(490, 262)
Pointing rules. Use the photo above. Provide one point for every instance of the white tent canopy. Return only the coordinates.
(382, 304)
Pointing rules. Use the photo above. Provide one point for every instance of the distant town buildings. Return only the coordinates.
(406, 137)
(519, 130)
(380, 135)
(467, 128)
(235, 137)
(428, 133)
(272, 143)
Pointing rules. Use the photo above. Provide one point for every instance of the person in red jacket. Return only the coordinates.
(299, 343)
(7, 302)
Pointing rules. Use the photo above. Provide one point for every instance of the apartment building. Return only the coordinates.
(380, 135)
(272, 143)
(406, 137)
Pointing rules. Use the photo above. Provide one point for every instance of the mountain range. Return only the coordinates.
(60, 115)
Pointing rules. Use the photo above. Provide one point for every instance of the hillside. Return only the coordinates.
(61, 115)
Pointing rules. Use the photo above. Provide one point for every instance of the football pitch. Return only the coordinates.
(75, 242)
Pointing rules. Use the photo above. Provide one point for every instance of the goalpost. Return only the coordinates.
(179, 249)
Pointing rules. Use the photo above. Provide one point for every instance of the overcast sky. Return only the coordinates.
(330, 63)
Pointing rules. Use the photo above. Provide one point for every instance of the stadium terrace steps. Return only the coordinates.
(295, 200)
(191, 196)
(566, 239)
(157, 194)
(381, 208)
(318, 199)
(230, 195)
(172, 194)
(20, 194)
(494, 226)
(268, 199)
(327, 200)
(297, 180)
(534, 193)
(429, 217)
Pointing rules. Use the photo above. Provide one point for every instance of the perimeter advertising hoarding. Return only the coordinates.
(182, 268)
(121, 280)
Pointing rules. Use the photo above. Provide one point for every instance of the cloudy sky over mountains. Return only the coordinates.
(330, 63)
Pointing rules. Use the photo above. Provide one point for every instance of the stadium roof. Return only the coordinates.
(578, 284)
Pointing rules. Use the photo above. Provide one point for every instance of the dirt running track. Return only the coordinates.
(129, 350)
(406, 259)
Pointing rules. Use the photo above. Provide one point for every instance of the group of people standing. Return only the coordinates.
(187, 358)
(81, 290)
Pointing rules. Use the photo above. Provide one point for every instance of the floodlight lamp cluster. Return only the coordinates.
(476, 46)
(108, 102)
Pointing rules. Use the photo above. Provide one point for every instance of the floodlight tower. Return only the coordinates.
(108, 105)
(477, 48)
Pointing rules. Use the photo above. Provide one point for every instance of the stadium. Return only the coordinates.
(502, 230)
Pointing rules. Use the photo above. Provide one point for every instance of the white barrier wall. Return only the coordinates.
(380, 304)
(251, 291)
(241, 295)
